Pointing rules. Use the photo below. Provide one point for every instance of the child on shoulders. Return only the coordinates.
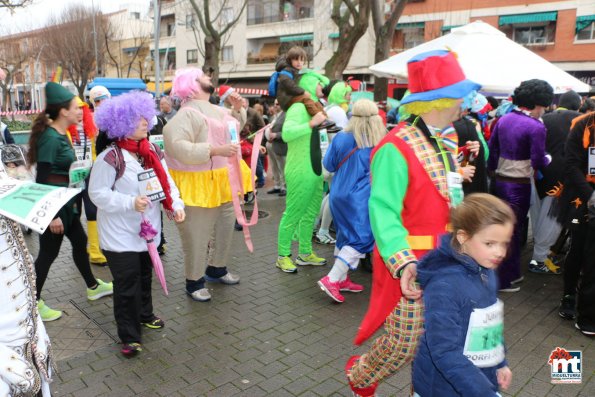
(462, 351)
(289, 92)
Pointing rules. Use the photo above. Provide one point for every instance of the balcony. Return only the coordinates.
(271, 11)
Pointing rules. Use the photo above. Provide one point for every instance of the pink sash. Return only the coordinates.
(237, 188)
(234, 172)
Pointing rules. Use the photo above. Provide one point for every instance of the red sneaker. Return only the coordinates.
(331, 289)
(348, 285)
(369, 391)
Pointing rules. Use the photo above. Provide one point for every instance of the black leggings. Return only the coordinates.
(49, 248)
(133, 303)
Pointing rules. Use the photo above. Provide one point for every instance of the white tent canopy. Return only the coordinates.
(489, 58)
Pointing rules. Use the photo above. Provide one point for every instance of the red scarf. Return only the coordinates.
(144, 149)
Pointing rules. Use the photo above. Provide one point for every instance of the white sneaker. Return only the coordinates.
(200, 295)
(228, 279)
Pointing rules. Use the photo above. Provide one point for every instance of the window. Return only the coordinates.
(190, 21)
(413, 37)
(135, 15)
(587, 33)
(171, 29)
(227, 54)
(192, 56)
(227, 15)
(531, 35)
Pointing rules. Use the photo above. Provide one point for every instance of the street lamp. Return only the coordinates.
(36, 102)
(10, 68)
(157, 28)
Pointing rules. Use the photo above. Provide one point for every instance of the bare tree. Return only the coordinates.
(384, 28)
(138, 41)
(70, 43)
(14, 54)
(352, 17)
(12, 4)
(214, 28)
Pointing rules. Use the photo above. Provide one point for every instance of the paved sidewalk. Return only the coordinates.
(274, 334)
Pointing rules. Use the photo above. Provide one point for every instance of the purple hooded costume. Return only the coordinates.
(517, 146)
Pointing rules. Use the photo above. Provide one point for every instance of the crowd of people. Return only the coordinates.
(439, 202)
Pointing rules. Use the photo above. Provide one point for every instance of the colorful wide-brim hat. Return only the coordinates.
(437, 75)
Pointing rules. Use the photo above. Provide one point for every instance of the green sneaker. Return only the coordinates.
(46, 313)
(103, 289)
(312, 259)
(286, 264)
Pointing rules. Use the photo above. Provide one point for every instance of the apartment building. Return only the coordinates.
(562, 32)
(129, 41)
(266, 29)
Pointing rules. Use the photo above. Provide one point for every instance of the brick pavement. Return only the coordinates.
(274, 334)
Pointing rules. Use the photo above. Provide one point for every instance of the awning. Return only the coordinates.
(448, 28)
(528, 18)
(334, 35)
(299, 37)
(410, 25)
(584, 21)
(164, 50)
(163, 86)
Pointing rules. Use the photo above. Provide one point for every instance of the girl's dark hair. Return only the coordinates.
(478, 211)
(533, 93)
(295, 52)
(40, 124)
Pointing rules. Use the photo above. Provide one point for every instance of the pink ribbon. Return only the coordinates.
(237, 187)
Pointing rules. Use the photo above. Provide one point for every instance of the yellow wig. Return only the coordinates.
(423, 107)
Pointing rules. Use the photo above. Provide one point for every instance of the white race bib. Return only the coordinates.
(233, 132)
(149, 185)
(78, 172)
(484, 344)
(454, 181)
(157, 140)
(592, 160)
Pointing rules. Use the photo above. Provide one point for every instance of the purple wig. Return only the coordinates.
(185, 85)
(120, 115)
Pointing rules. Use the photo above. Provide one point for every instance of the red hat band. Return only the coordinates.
(434, 72)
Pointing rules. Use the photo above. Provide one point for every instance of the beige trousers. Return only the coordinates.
(206, 238)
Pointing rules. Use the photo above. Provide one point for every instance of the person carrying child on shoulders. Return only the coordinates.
(289, 92)
(462, 350)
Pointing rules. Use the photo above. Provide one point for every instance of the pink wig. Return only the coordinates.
(185, 84)
(120, 115)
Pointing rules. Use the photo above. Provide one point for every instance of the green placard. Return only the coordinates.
(22, 200)
(485, 338)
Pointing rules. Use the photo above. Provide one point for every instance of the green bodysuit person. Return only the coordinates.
(303, 175)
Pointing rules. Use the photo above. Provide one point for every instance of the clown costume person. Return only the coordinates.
(415, 181)
(303, 175)
(118, 186)
(198, 146)
(349, 158)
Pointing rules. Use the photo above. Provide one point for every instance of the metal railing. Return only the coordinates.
(305, 13)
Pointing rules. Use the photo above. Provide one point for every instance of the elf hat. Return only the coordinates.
(224, 92)
(56, 94)
(437, 75)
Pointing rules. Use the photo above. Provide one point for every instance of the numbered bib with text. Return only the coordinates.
(484, 344)
(150, 186)
(78, 172)
(157, 140)
(454, 181)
